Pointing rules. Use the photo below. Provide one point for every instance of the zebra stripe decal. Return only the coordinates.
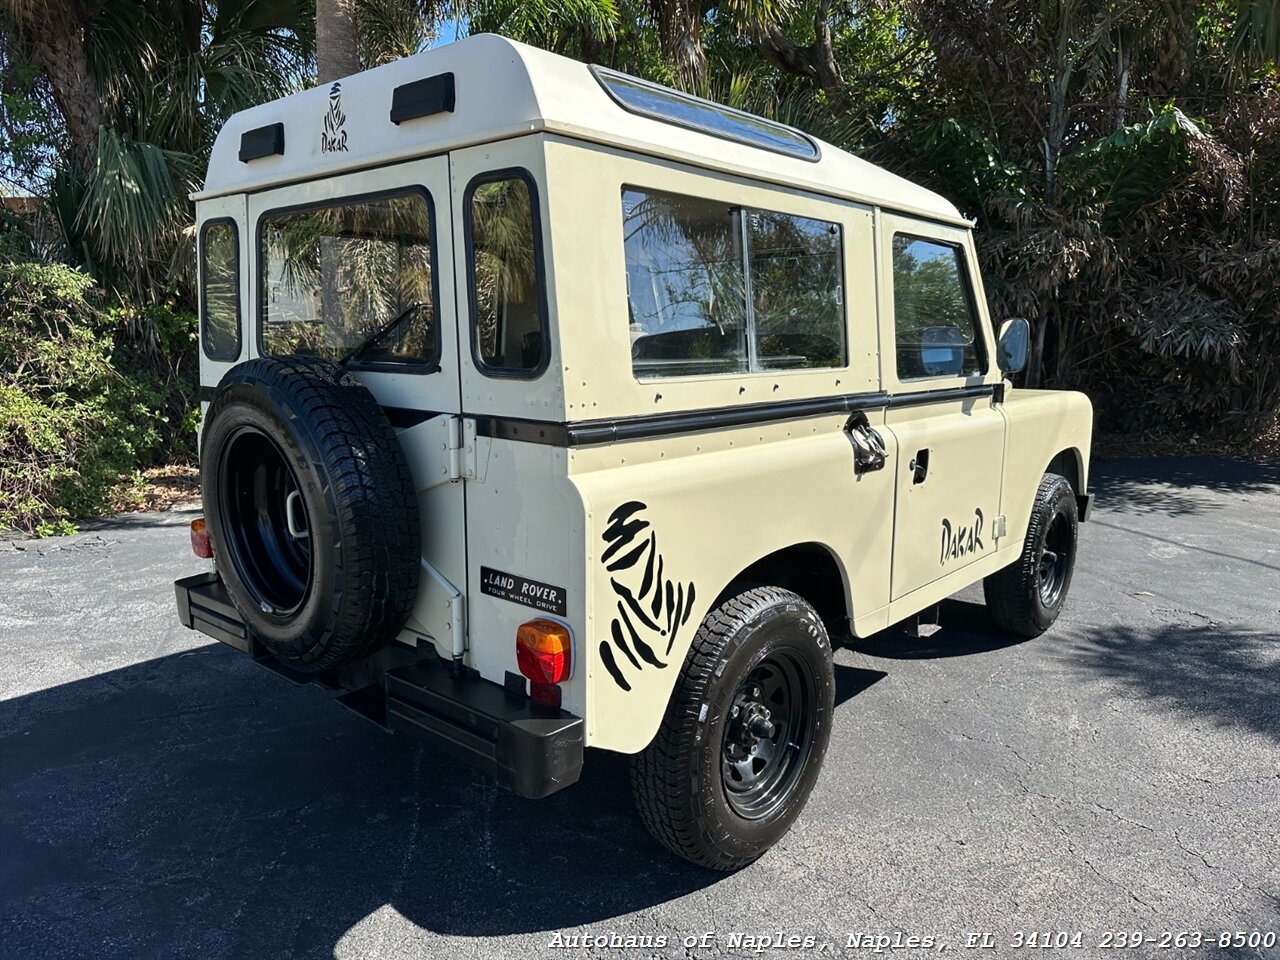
(650, 612)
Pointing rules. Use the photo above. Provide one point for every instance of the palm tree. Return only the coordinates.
(337, 40)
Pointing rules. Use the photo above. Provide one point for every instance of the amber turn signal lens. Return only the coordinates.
(200, 545)
(543, 651)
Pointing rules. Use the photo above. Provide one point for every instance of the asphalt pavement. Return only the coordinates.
(161, 796)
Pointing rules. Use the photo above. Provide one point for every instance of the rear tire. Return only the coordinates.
(311, 511)
(745, 733)
(1026, 597)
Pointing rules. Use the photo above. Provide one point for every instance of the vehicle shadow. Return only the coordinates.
(1175, 486)
(966, 630)
(198, 805)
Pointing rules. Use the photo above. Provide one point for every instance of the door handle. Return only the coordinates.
(920, 466)
(868, 446)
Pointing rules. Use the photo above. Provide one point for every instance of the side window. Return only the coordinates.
(686, 287)
(797, 291)
(934, 321)
(352, 276)
(505, 274)
(714, 288)
(220, 290)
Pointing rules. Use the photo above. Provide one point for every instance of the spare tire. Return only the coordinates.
(311, 510)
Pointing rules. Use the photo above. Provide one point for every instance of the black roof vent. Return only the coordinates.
(422, 98)
(262, 142)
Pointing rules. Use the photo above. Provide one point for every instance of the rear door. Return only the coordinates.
(938, 365)
(334, 262)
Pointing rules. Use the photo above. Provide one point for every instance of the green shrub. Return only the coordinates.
(72, 426)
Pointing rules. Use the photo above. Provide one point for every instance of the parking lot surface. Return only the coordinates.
(161, 796)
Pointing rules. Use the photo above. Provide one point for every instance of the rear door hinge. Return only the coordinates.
(1000, 527)
(462, 448)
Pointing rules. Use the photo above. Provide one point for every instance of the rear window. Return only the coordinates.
(220, 290)
(333, 275)
(714, 288)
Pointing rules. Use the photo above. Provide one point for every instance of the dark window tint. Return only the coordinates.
(796, 292)
(713, 288)
(936, 329)
(220, 290)
(505, 271)
(672, 106)
(332, 276)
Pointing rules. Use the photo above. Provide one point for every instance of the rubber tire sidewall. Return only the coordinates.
(259, 406)
(1013, 593)
(726, 839)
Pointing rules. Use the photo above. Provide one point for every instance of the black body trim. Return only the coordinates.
(588, 432)
(430, 364)
(422, 98)
(404, 417)
(532, 749)
(262, 142)
(401, 417)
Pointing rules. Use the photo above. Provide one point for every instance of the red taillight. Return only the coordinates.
(200, 545)
(543, 651)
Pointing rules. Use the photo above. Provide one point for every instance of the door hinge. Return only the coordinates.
(462, 448)
(1000, 527)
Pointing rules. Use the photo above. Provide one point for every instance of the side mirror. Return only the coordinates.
(1015, 343)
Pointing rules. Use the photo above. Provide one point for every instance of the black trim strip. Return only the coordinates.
(403, 417)
(919, 397)
(207, 394)
(588, 432)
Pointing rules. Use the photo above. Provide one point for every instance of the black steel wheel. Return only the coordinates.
(311, 510)
(743, 739)
(1056, 557)
(769, 734)
(268, 536)
(1027, 596)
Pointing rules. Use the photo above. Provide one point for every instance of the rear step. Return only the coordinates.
(532, 749)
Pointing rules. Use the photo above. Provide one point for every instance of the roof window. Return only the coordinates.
(671, 106)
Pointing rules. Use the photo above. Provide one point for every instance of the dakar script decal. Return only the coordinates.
(961, 540)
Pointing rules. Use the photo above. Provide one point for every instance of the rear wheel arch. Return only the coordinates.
(809, 569)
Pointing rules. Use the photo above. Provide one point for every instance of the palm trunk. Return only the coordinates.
(337, 35)
(680, 32)
(56, 37)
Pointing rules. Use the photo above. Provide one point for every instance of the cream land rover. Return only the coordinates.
(546, 408)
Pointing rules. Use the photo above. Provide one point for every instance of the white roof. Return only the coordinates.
(505, 89)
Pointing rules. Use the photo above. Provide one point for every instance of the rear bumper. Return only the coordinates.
(531, 749)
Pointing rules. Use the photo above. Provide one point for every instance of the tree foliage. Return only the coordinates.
(1121, 159)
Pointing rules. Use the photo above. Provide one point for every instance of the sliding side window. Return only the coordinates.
(220, 290)
(714, 288)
